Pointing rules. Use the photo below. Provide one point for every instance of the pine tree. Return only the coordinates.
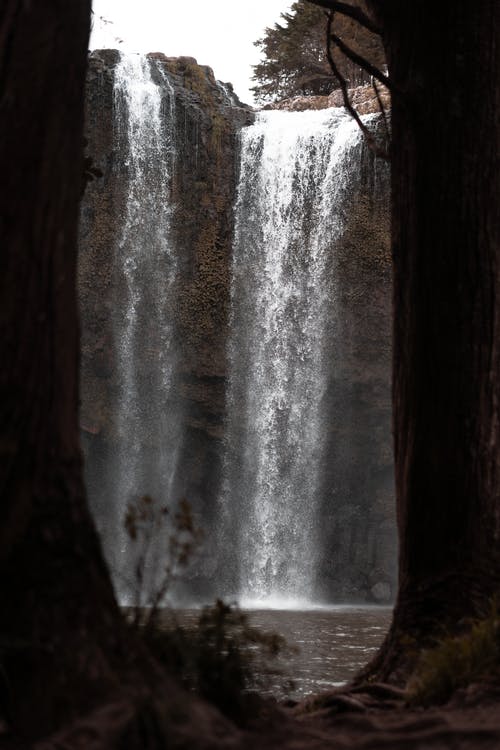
(294, 58)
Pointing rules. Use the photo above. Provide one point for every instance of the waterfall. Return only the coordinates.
(242, 365)
(145, 411)
(296, 174)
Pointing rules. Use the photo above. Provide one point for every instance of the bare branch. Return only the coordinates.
(362, 62)
(353, 11)
(382, 108)
(371, 142)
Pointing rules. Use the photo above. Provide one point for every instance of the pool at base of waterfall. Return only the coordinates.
(326, 646)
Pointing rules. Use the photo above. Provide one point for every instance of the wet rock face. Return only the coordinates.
(208, 117)
(358, 516)
(208, 123)
(359, 550)
(207, 120)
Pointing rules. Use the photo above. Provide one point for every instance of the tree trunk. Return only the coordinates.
(60, 629)
(444, 60)
(69, 666)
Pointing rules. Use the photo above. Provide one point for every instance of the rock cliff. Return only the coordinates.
(358, 516)
(358, 519)
(207, 119)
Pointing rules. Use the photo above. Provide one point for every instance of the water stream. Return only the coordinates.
(146, 421)
(296, 173)
(325, 647)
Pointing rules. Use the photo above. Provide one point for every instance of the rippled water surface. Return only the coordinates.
(328, 646)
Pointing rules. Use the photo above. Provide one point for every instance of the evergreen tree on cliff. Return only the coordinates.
(444, 65)
(294, 58)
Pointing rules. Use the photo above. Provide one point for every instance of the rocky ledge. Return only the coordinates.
(363, 98)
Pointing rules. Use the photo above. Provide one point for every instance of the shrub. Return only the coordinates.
(222, 657)
(457, 662)
(165, 544)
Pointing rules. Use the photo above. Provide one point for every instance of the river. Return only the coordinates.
(326, 646)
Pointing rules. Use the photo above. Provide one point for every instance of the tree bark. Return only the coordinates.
(444, 60)
(70, 670)
(61, 634)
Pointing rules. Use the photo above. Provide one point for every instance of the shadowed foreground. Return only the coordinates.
(344, 720)
(65, 649)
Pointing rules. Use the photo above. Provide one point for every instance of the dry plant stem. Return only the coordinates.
(144, 523)
(352, 11)
(139, 574)
(361, 61)
(372, 144)
(382, 109)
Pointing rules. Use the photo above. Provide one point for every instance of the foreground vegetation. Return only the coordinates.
(221, 657)
(458, 662)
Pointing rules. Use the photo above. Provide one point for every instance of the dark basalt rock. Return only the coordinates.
(359, 560)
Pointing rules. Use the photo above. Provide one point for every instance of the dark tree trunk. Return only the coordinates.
(60, 629)
(68, 663)
(444, 60)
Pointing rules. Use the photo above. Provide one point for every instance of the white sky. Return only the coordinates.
(219, 33)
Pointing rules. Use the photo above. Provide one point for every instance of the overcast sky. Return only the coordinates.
(219, 33)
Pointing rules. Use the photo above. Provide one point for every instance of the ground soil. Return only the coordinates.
(373, 718)
(378, 719)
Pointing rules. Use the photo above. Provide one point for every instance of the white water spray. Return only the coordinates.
(296, 170)
(146, 423)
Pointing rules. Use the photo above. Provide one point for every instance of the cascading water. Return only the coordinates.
(305, 514)
(296, 172)
(145, 412)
